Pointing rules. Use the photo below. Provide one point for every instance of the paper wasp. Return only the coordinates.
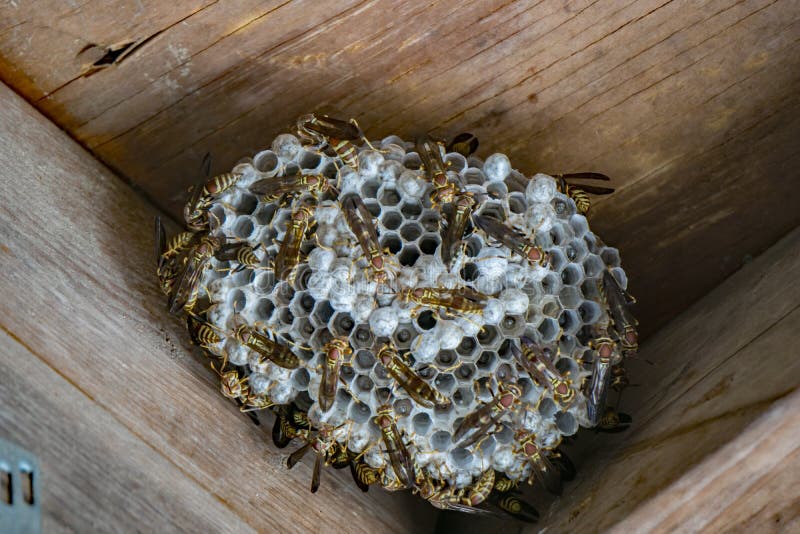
(201, 333)
(270, 189)
(510, 238)
(338, 456)
(479, 491)
(188, 285)
(289, 253)
(336, 133)
(168, 254)
(619, 378)
(580, 193)
(457, 224)
(503, 484)
(232, 383)
(241, 253)
(399, 457)
(195, 213)
(445, 301)
(415, 386)
(543, 371)
(359, 219)
(613, 421)
(446, 497)
(364, 475)
(321, 444)
(464, 143)
(280, 355)
(515, 507)
(606, 356)
(444, 191)
(285, 428)
(169, 249)
(541, 468)
(336, 350)
(624, 323)
(480, 422)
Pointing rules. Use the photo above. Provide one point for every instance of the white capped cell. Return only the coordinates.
(342, 297)
(489, 285)
(369, 163)
(258, 383)
(320, 259)
(359, 439)
(497, 167)
(410, 185)
(540, 217)
(503, 457)
(541, 189)
(327, 235)
(362, 307)
(515, 301)
(493, 311)
(448, 280)
(407, 277)
(491, 262)
(469, 325)
(517, 275)
(286, 146)
(463, 480)
(319, 285)
(282, 392)
(375, 458)
(383, 321)
(428, 269)
(449, 334)
(426, 347)
(327, 212)
(390, 170)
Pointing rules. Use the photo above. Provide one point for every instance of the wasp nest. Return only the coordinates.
(434, 321)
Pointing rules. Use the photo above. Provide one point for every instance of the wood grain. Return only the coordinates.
(78, 287)
(690, 105)
(750, 484)
(96, 474)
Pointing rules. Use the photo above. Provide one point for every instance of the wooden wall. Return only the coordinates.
(691, 106)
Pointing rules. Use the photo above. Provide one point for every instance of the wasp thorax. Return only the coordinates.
(410, 286)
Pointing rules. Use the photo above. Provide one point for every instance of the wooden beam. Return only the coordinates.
(95, 473)
(689, 106)
(79, 292)
(751, 483)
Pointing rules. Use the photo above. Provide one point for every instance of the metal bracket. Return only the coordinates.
(20, 499)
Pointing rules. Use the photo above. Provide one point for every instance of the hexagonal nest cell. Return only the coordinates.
(437, 322)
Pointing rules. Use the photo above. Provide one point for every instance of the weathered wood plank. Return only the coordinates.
(50, 44)
(96, 474)
(687, 104)
(751, 483)
(725, 323)
(79, 291)
(771, 503)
